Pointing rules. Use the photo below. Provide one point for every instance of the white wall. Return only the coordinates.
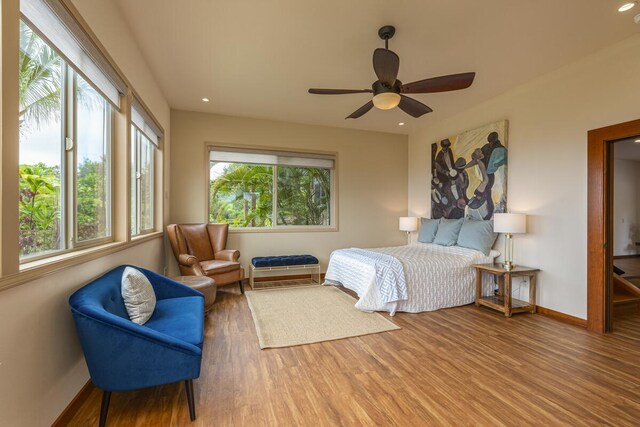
(41, 363)
(372, 181)
(548, 123)
(626, 207)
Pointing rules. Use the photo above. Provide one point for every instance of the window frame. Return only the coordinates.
(68, 165)
(136, 150)
(275, 228)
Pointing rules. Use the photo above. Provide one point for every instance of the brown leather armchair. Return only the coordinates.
(200, 250)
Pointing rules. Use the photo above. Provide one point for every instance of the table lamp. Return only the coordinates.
(509, 223)
(408, 224)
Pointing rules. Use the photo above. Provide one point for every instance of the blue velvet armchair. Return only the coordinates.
(122, 355)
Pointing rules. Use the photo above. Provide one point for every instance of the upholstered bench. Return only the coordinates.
(284, 263)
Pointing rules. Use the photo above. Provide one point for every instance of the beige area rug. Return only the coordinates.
(307, 314)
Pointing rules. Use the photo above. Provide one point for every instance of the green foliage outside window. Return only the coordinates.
(40, 184)
(91, 201)
(39, 205)
(303, 196)
(39, 211)
(242, 195)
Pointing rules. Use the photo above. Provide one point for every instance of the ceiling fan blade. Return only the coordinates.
(440, 84)
(361, 111)
(412, 107)
(338, 91)
(386, 64)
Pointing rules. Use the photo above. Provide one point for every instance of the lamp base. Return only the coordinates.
(508, 265)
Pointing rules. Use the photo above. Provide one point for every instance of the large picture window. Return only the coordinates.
(64, 151)
(270, 189)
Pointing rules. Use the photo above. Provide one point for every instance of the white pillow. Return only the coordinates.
(137, 293)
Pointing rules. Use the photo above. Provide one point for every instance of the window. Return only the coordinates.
(142, 182)
(145, 141)
(65, 141)
(73, 152)
(41, 131)
(93, 215)
(270, 189)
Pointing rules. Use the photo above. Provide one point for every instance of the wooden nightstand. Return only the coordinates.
(503, 301)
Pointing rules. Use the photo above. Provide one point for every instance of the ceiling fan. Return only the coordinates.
(388, 91)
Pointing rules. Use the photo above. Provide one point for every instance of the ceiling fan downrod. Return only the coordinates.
(386, 33)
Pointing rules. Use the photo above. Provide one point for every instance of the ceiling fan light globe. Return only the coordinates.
(386, 100)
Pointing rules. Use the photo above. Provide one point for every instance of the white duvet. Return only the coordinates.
(436, 277)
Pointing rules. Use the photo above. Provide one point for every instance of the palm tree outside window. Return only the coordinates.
(65, 137)
(270, 189)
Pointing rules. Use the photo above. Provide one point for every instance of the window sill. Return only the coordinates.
(290, 229)
(33, 270)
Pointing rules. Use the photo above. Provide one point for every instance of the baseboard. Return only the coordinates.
(626, 256)
(73, 407)
(562, 317)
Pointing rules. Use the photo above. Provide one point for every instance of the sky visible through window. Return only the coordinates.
(43, 144)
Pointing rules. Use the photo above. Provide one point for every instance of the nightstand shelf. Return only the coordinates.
(503, 302)
(498, 302)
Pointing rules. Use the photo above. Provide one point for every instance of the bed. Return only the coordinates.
(413, 278)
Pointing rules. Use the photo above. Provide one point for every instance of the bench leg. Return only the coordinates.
(192, 407)
(241, 283)
(104, 408)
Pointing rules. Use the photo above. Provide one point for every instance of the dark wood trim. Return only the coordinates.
(626, 256)
(599, 192)
(74, 406)
(562, 317)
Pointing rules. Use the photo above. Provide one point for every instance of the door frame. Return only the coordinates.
(599, 224)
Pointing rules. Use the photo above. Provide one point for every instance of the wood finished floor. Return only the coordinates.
(461, 366)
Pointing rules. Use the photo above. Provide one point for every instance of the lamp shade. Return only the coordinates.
(512, 223)
(408, 223)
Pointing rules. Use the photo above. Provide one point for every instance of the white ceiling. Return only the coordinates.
(257, 58)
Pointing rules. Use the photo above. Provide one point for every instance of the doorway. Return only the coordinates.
(625, 238)
(600, 229)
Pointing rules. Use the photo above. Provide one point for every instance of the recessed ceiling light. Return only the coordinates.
(205, 99)
(627, 6)
(401, 124)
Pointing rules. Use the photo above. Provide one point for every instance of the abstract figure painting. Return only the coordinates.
(469, 173)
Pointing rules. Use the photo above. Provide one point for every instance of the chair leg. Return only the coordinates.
(192, 407)
(104, 408)
(241, 283)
